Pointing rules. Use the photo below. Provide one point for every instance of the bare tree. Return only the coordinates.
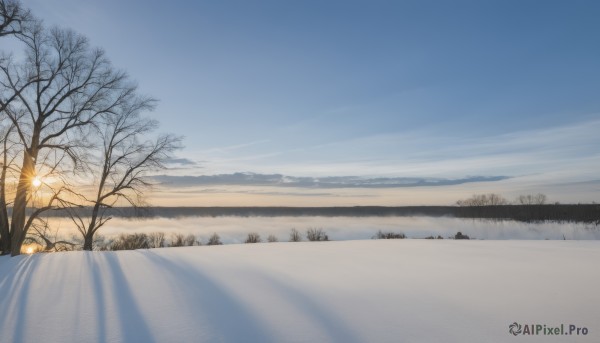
(127, 156)
(62, 87)
(490, 199)
(62, 91)
(532, 199)
(13, 17)
(496, 200)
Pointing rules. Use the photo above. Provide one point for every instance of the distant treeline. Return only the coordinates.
(533, 213)
(586, 213)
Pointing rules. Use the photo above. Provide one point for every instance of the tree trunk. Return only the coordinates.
(4, 223)
(88, 242)
(88, 238)
(20, 206)
(4, 227)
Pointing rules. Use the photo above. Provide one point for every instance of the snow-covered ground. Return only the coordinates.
(351, 291)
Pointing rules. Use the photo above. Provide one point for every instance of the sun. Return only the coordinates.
(36, 182)
(29, 250)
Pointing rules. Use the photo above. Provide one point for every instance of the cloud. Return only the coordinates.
(557, 153)
(230, 148)
(259, 192)
(181, 161)
(278, 180)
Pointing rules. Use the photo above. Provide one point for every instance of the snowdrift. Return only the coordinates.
(352, 291)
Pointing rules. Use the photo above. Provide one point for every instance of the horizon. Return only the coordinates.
(441, 101)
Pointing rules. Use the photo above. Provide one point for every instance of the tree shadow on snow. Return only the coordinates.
(109, 280)
(15, 285)
(233, 320)
(229, 320)
(327, 320)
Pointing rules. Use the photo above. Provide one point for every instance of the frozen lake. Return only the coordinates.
(235, 229)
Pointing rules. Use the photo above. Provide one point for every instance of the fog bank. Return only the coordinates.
(235, 229)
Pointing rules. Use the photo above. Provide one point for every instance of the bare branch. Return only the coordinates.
(13, 17)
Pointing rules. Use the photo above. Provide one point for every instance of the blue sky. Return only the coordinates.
(396, 89)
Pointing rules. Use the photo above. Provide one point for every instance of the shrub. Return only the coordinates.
(101, 243)
(253, 237)
(389, 235)
(459, 235)
(295, 236)
(179, 240)
(131, 242)
(431, 237)
(214, 240)
(156, 240)
(272, 239)
(190, 240)
(314, 235)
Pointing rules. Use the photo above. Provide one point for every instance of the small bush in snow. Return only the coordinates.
(459, 235)
(131, 242)
(179, 240)
(253, 237)
(295, 236)
(101, 243)
(190, 240)
(431, 237)
(314, 235)
(272, 239)
(214, 240)
(156, 240)
(389, 235)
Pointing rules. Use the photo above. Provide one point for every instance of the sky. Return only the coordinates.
(320, 103)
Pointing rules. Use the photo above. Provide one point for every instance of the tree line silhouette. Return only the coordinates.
(581, 213)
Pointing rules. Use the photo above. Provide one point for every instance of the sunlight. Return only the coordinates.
(30, 248)
(36, 182)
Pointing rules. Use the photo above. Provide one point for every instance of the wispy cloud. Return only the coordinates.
(388, 167)
(278, 180)
(181, 161)
(263, 192)
(571, 150)
(234, 147)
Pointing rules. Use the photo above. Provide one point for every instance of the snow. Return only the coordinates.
(350, 291)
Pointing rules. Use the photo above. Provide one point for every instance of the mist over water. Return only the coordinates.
(235, 229)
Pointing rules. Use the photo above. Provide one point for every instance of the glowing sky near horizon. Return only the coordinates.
(425, 89)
